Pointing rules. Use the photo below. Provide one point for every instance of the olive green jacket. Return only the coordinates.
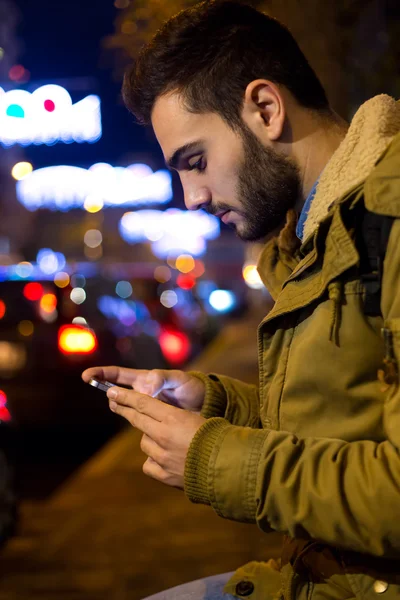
(314, 450)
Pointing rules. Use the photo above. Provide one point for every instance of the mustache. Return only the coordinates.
(215, 209)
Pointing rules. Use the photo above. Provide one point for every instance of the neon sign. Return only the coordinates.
(64, 187)
(171, 232)
(47, 116)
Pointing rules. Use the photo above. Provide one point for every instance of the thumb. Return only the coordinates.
(154, 383)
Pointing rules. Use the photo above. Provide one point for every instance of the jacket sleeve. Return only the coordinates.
(346, 494)
(236, 401)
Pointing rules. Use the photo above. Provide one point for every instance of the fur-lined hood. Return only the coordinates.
(372, 129)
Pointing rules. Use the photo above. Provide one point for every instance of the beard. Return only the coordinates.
(268, 186)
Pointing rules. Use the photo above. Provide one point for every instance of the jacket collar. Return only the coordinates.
(372, 129)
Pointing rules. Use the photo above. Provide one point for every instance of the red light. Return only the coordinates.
(5, 414)
(3, 399)
(74, 339)
(185, 282)
(33, 291)
(49, 105)
(16, 72)
(198, 270)
(2, 309)
(175, 346)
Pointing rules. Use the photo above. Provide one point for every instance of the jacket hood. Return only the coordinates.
(372, 129)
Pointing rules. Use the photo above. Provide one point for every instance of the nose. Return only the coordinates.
(196, 197)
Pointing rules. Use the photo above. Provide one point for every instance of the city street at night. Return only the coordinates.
(199, 286)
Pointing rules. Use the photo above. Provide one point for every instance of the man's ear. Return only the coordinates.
(264, 109)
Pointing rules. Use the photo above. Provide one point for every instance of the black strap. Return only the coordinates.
(373, 240)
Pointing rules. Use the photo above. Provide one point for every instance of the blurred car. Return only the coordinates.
(45, 344)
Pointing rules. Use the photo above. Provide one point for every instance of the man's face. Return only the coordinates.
(227, 173)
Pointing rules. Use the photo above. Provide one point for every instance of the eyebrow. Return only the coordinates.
(181, 152)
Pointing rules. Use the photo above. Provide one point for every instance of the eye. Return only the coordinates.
(198, 165)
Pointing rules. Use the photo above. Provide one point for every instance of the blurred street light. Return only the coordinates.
(21, 170)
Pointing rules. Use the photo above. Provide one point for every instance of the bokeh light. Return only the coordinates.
(175, 346)
(93, 203)
(93, 238)
(2, 308)
(123, 289)
(75, 339)
(93, 253)
(49, 317)
(4, 412)
(61, 279)
(251, 277)
(79, 321)
(21, 170)
(168, 298)
(78, 295)
(50, 262)
(185, 263)
(48, 303)
(78, 281)
(199, 269)
(3, 399)
(162, 274)
(24, 269)
(25, 328)
(171, 261)
(33, 291)
(222, 300)
(17, 73)
(185, 281)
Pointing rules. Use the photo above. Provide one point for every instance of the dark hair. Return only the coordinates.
(210, 53)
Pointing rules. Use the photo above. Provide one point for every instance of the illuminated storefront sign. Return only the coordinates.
(64, 187)
(47, 116)
(171, 232)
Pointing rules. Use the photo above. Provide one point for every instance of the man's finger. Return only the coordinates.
(156, 409)
(152, 469)
(144, 423)
(118, 375)
(152, 449)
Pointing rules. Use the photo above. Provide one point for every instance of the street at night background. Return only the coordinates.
(100, 263)
(92, 221)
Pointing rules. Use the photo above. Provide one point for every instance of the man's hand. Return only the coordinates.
(168, 432)
(172, 387)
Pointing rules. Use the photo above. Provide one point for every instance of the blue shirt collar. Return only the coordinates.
(305, 210)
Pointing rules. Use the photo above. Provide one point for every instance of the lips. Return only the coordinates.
(225, 217)
(222, 214)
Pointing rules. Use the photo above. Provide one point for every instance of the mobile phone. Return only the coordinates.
(101, 385)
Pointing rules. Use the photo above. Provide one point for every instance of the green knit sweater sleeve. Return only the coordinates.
(221, 468)
(215, 400)
(234, 400)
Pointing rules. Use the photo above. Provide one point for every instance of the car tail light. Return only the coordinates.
(4, 412)
(48, 303)
(75, 339)
(175, 345)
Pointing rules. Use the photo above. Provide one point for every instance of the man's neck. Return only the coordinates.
(314, 141)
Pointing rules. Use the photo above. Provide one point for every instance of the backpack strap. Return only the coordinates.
(373, 240)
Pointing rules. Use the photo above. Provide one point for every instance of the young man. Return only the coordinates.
(314, 450)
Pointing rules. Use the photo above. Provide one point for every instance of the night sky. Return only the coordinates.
(62, 40)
